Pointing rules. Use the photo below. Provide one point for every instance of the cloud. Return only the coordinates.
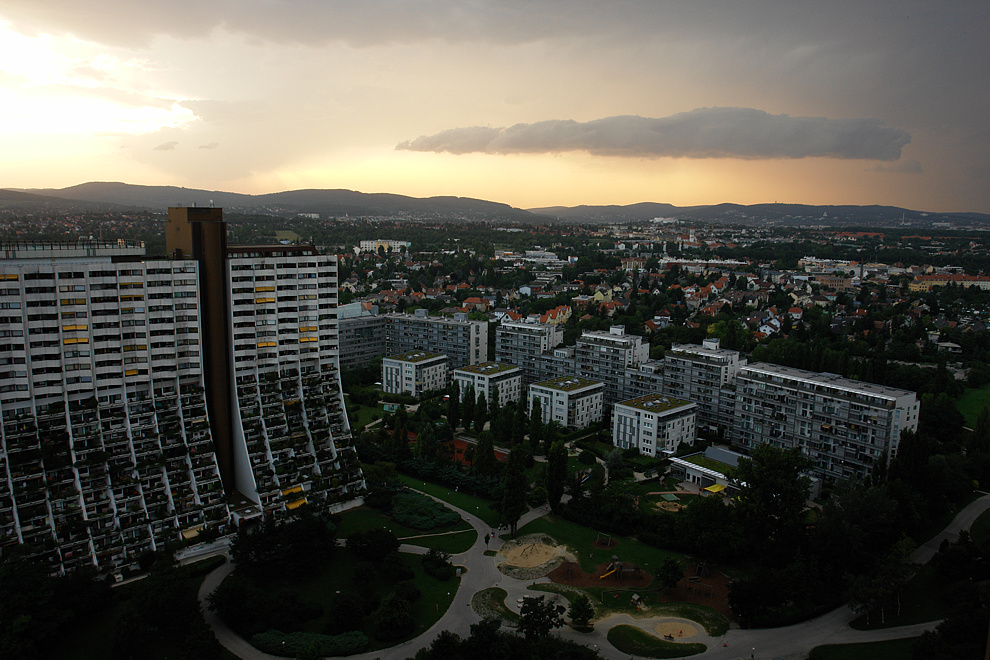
(167, 146)
(702, 133)
(211, 145)
(907, 166)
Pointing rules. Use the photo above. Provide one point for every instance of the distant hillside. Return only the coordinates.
(102, 196)
(328, 203)
(766, 214)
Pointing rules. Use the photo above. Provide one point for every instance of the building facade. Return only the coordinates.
(654, 424)
(705, 375)
(526, 344)
(415, 373)
(605, 356)
(571, 401)
(487, 378)
(842, 425)
(362, 336)
(462, 340)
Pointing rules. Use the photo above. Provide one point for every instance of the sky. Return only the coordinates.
(532, 103)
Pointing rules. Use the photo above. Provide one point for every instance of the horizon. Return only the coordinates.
(533, 104)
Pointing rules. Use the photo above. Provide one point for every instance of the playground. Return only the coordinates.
(530, 556)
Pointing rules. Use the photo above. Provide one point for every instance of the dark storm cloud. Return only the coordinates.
(701, 133)
(902, 167)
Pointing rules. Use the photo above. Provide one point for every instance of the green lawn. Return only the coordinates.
(972, 402)
(343, 573)
(638, 642)
(365, 518)
(479, 506)
(581, 540)
(491, 602)
(365, 415)
(894, 649)
(980, 531)
(920, 603)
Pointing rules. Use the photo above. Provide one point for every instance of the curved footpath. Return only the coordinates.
(791, 643)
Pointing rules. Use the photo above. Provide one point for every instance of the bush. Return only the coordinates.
(407, 590)
(421, 512)
(587, 458)
(395, 569)
(298, 643)
(437, 564)
(393, 618)
(375, 544)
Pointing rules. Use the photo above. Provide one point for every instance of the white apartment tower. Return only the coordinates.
(488, 377)
(571, 401)
(415, 373)
(705, 375)
(843, 425)
(464, 341)
(654, 424)
(527, 344)
(605, 356)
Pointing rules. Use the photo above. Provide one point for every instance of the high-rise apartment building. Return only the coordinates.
(705, 375)
(843, 425)
(527, 344)
(464, 341)
(605, 356)
(139, 394)
(362, 335)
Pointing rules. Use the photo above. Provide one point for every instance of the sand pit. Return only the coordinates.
(669, 506)
(530, 556)
(678, 629)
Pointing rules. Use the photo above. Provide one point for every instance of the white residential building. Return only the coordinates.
(464, 341)
(705, 375)
(606, 356)
(414, 373)
(653, 424)
(571, 401)
(843, 425)
(486, 377)
(525, 344)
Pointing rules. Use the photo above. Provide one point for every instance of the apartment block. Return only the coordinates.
(487, 378)
(605, 356)
(653, 424)
(107, 450)
(414, 373)
(843, 425)
(529, 345)
(362, 336)
(571, 401)
(464, 341)
(705, 375)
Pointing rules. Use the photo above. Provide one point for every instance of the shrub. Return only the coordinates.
(407, 590)
(393, 618)
(437, 564)
(421, 512)
(586, 457)
(298, 643)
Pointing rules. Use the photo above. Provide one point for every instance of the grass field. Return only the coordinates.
(343, 574)
(491, 602)
(637, 642)
(479, 506)
(581, 540)
(920, 603)
(894, 649)
(972, 402)
(980, 531)
(365, 518)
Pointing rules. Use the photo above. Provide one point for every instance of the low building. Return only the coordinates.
(414, 373)
(571, 401)
(488, 377)
(710, 469)
(654, 424)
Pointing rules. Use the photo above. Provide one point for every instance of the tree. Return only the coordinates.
(538, 617)
(772, 493)
(519, 423)
(669, 573)
(556, 473)
(535, 419)
(467, 407)
(516, 489)
(484, 463)
(480, 413)
(454, 405)
(581, 611)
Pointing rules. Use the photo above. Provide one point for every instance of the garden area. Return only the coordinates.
(295, 593)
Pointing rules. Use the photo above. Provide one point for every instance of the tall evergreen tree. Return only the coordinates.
(516, 489)
(484, 464)
(454, 406)
(467, 407)
(480, 413)
(556, 473)
(519, 423)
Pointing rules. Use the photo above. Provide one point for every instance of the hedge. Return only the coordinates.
(294, 644)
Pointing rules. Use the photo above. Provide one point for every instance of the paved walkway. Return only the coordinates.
(789, 643)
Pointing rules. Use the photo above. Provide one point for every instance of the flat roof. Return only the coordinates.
(824, 378)
(655, 403)
(568, 383)
(487, 368)
(416, 356)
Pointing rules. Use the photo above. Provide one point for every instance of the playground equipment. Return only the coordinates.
(619, 569)
(605, 575)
